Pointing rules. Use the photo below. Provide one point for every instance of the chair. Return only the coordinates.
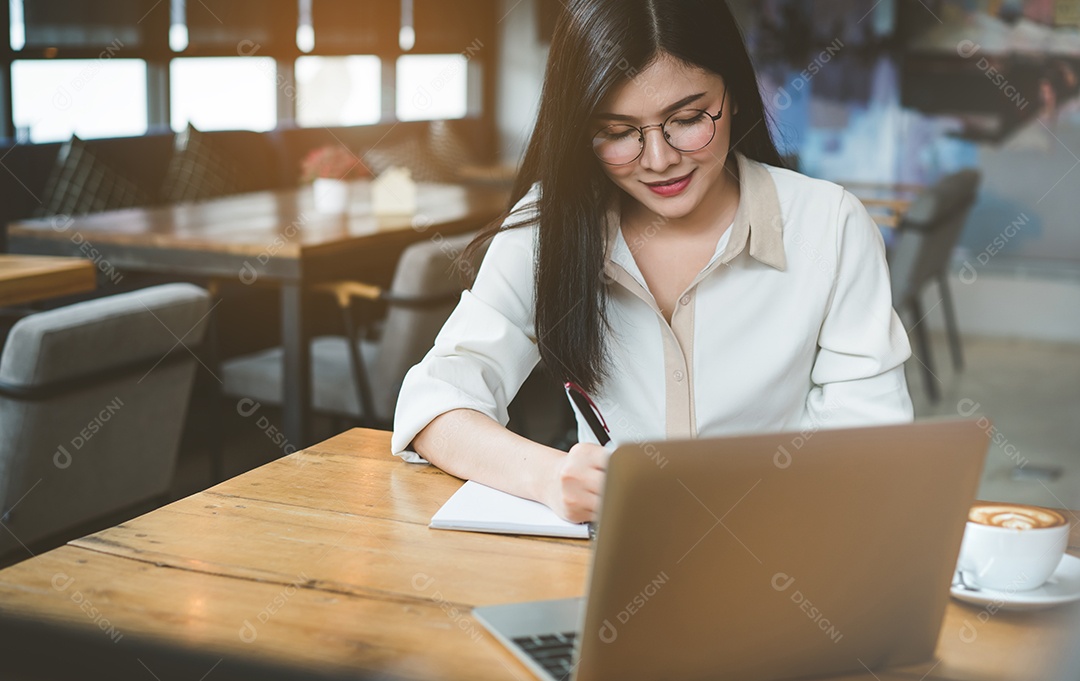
(361, 379)
(93, 398)
(927, 234)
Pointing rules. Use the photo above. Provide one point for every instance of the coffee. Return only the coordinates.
(1012, 547)
(1015, 516)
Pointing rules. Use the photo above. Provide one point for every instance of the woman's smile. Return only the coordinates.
(673, 187)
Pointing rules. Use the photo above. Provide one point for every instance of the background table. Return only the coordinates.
(324, 558)
(272, 237)
(26, 278)
(887, 203)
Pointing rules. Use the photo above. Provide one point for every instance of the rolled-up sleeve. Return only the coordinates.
(858, 374)
(486, 349)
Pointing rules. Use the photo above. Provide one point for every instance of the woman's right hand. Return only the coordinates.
(574, 494)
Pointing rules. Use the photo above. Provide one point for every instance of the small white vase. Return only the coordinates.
(394, 192)
(331, 196)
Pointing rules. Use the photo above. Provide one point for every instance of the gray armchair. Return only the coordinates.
(93, 398)
(358, 378)
(928, 233)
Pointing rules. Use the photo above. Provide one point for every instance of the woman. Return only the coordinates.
(659, 257)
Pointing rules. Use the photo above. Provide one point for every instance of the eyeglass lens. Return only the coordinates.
(687, 131)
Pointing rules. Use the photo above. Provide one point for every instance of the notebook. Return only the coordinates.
(479, 508)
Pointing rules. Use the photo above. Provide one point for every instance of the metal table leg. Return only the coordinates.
(297, 366)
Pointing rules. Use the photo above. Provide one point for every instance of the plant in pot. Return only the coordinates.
(329, 170)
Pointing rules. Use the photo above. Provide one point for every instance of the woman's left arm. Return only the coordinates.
(858, 374)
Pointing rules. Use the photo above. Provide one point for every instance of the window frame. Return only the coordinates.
(154, 49)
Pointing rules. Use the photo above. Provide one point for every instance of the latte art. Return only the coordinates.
(1012, 547)
(1015, 517)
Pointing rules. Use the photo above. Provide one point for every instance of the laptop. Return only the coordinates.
(762, 557)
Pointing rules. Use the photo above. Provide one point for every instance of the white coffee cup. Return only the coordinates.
(1012, 547)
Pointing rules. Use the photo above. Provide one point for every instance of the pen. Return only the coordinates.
(591, 413)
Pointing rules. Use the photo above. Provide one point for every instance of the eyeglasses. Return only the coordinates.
(688, 130)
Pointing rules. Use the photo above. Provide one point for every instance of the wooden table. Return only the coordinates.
(25, 278)
(272, 237)
(324, 558)
(887, 203)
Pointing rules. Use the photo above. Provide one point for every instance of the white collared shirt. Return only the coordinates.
(790, 327)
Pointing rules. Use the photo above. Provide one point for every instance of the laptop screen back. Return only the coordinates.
(778, 556)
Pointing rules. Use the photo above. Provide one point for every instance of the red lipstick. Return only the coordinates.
(671, 188)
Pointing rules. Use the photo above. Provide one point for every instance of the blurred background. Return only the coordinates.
(955, 121)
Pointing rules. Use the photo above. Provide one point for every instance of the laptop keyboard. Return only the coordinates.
(553, 652)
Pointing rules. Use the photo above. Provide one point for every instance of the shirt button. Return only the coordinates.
(678, 375)
(685, 300)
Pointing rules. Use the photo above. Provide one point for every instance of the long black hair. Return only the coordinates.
(597, 45)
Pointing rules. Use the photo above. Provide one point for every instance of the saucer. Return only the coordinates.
(1062, 587)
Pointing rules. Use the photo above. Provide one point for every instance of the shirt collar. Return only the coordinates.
(758, 220)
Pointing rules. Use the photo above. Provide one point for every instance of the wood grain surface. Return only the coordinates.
(324, 558)
(281, 224)
(26, 278)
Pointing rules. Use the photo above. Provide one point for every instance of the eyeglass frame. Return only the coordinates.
(642, 129)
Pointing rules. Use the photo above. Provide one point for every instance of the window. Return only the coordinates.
(18, 25)
(178, 33)
(224, 93)
(432, 86)
(55, 98)
(338, 90)
(305, 30)
(97, 67)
